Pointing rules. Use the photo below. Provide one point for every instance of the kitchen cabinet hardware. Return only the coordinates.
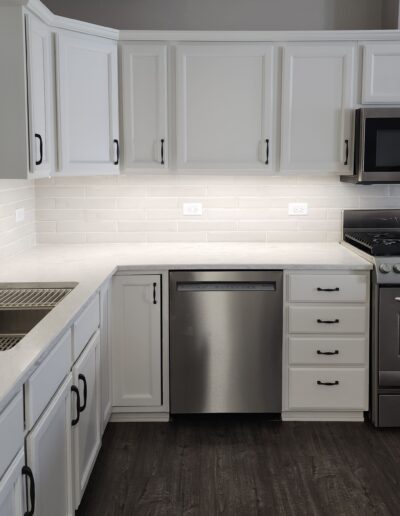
(320, 289)
(116, 162)
(82, 378)
(267, 152)
(322, 321)
(154, 293)
(26, 471)
(162, 152)
(328, 384)
(40, 160)
(346, 159)
(319, 352)
(397, 299)
(78, 403)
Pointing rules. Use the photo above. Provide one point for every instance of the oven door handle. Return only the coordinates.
(397, 299)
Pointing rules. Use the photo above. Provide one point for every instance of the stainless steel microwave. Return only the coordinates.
(376, 146)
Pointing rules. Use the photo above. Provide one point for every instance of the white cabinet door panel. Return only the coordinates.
(144, 86)
(317, 102)
(105, 357)
(136, 347)
(224, 106)
(11, 489)
(48, 451)
(87, 104)
(381, 72)
(40, 96)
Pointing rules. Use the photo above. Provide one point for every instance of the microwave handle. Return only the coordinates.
(346, 159)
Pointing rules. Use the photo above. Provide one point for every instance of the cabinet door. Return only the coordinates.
(87, 90)
(136, 349)
(86, 433)
(105, 357)
(224, 106)
(144, 86)
(48, 454)
(317, 107)
(11, 490)
(40, 96)
(381, 73)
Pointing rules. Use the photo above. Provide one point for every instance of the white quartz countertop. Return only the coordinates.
(91, 265)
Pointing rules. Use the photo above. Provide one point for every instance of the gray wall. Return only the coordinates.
(230, 14)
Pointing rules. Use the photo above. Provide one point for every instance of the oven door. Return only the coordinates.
(379, 153)
(389, 337)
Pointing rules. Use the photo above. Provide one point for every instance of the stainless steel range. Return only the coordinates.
(376, 236)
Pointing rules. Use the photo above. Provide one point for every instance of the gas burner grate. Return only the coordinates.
(9, 341)
(31, 297)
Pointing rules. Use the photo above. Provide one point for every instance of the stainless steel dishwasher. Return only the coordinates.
(225, 341)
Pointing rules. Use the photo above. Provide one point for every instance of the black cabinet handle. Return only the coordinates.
(116, 162)
(321, 321)
(336, 289)
(162, 152)
(154, 293)
(78, 402)
(26, 470)
(40, 160)
(82, 378)
(346, 159)
(328, 383)
(267, 152)
(336, 352)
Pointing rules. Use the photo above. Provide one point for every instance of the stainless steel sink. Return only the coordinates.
(23, 305)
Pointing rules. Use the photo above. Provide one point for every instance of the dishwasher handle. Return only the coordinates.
(225, 286)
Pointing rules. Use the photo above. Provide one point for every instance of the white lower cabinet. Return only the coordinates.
(11, 488)
(86, 415)
(136, 342)
(48, 455)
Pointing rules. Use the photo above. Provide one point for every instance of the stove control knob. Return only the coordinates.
(385, 268)
(396, 268)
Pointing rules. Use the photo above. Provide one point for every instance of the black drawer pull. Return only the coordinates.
(329, 384)
(26, 470)
(154, 293)
(83, 379)
(321, 321)
(336, 289)
(116, 162)
(267, 152)
(162, 152)
(336, 352)
(346, 159)
(40, 160)
(78, 403)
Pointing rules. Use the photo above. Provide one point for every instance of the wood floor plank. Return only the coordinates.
(245, 466)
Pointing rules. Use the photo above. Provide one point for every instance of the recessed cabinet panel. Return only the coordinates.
(87, 104)
(224, 106)
(317, 108)
(144, 85)
(40, 96)
(381, 73)
(11, 489)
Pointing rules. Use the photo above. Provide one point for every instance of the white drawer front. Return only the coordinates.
(348, 394)
(327, 350)
(85, 326)
(44, 382)
(318, 319)
(327, 288)
(11, 431)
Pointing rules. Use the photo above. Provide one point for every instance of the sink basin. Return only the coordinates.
(23, 305)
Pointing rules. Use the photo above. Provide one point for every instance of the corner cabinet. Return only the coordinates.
(317, 107)
(381, 72)
(144, 96)
(136, 341)
(225, 106)
(87, 99)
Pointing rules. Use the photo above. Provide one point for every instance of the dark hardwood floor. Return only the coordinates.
(244, 466)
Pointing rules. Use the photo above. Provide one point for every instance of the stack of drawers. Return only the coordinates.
(326, 345)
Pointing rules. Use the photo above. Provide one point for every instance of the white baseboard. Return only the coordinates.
(139, 417)
(349, 416)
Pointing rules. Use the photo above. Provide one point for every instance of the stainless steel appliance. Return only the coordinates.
(376, 235)
(376, 146)
(226, 341)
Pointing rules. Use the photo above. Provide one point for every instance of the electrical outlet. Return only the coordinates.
(192, 208)
(298, 208)
(20, 215)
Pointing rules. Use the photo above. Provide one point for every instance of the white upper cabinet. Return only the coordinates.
(381, 73)
(144, 94)
(87, 89)
(317, 106)
(224, 106)
(40, 96)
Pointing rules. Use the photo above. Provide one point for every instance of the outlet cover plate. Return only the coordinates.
(298, 208)
(192, 209)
